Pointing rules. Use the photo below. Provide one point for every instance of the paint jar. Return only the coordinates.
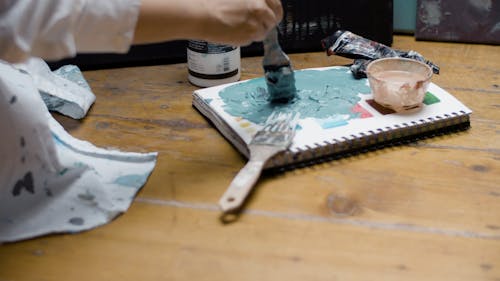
(211, 64)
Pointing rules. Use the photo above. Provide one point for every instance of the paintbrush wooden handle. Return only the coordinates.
(246, 178)
(271, 40)
(241, 186)
(274, 57)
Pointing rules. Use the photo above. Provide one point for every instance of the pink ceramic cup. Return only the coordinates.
(399, 83)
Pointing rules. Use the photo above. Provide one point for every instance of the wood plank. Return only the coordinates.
(188, 243)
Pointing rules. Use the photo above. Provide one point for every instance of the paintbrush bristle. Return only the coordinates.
(278, 70)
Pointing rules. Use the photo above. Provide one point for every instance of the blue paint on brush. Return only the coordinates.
(281, 84)
(280, 79)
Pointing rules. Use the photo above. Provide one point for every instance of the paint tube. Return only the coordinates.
(363, 51)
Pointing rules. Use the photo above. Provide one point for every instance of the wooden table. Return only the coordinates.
(425, 211)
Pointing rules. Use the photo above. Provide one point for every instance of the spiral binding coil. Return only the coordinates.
(370, 140)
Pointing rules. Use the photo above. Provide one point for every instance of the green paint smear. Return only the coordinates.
(430, 99)
(321, 94)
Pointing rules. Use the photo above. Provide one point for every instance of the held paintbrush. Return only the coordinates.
(278, 70)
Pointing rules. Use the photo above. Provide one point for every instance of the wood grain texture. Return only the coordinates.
(429, 210)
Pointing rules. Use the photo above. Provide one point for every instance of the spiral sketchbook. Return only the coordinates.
(338, 115)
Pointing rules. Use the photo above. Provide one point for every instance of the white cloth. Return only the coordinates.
(49, 181)
(54, 29)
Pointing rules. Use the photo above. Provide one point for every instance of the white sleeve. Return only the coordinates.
(55, 29)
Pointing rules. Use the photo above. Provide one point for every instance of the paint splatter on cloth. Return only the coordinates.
(63, 90)
(51, 182)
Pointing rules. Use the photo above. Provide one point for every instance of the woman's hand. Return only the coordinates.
(240, 22)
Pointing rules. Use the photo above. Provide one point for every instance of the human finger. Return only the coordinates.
(277, 9)
(263, 20)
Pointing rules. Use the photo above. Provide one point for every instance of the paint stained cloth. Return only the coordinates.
(51, 182)
(63, 90)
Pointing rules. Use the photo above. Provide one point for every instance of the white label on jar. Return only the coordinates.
(212, 61)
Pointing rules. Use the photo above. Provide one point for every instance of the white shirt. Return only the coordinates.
(54, 29)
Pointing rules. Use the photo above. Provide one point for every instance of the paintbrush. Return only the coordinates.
(275, 137)
(278, 70)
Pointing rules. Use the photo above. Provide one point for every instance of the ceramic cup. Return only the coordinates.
(399, 83)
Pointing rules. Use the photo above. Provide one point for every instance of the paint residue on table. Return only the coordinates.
(321, 94)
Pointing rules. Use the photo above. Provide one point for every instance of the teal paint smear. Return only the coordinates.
(131, 180)
(63, 171)
(332, 123)
(321, 94)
